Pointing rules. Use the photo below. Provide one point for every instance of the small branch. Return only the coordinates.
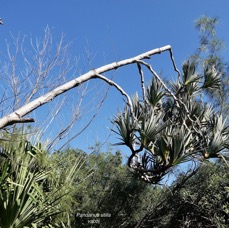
(89, 122)
(20, 120)
(119, 88)
(159, 79)
(174, 64)
(142, 81)
(177, 101)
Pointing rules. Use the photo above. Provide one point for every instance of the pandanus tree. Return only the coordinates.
(172, 124)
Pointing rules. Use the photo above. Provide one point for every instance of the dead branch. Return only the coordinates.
(112, 83)
(174, 64)
(17, 116)
(159, 79)
(142, 81)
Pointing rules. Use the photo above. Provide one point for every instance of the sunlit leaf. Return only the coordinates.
(212, 79)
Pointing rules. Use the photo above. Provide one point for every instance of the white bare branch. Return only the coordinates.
(159, 79)
(17, 116)
(112, 83)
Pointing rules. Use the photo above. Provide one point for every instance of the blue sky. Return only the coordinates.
(112, 31)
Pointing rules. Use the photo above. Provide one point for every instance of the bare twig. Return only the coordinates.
(174, 64)
(119, 88)
(177, 101)
(142, 81)
(89, 122)
(159, 79)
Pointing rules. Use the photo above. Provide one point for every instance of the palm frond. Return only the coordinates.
(212, 79)
(218, 137)
(137, 107)
(125, 127)
(150, 127)
(155, 92)
(189, 73)
(24, 202)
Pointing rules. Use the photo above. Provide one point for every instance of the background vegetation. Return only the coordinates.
(74, 188)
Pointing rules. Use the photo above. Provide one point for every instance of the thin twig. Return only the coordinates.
(178, 101)
(174, 64)
(89, 122)
(224, 160)
(142, 81)
(159, 79)
(119, 88)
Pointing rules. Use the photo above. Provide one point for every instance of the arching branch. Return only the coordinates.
(119, 88)
(17, 116)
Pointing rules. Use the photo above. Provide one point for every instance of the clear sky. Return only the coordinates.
(112, 31)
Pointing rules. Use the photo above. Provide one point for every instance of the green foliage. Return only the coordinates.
(98, 187)
(168, 127)
(201, 201)
(113, 194)
(155, 93)
(125, 128)
(209, 42)
(174, 122)
(199, 198)
(171, 126)
(208, 57)
(35, 188)
(23, 201)
(212, 79)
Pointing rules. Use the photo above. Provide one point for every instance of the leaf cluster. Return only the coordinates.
(170, 127)
(35, 187)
